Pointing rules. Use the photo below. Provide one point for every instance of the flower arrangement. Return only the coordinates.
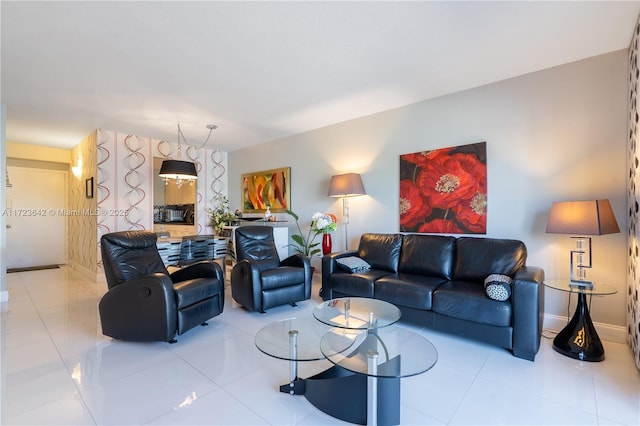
(323, 222)
(221, 215)
(320, 224)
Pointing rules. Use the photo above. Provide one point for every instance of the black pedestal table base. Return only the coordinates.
(579, 338)
(343, 395)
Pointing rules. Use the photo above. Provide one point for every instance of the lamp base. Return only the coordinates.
(579, 339)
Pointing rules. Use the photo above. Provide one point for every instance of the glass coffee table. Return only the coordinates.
(293, 340)
(357, 313)
(369, 357)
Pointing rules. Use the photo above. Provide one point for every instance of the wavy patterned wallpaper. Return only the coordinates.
(633, 302)
(122, 166)
(81, 227)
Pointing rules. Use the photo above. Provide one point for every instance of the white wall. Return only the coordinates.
(4, 293)
(557, 134)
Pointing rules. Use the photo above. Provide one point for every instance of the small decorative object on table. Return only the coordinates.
(326, 244)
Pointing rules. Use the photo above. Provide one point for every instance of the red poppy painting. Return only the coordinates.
(444, 190)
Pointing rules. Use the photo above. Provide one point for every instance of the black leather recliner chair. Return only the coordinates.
(259, 280)
(144, 301)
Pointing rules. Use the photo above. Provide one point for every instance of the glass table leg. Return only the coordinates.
(293, 364)
(372, 387)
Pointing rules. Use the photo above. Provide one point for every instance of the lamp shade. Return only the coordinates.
(582, 218)
(176, 169)
(346, 185)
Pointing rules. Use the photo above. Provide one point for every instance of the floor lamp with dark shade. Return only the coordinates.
(581, 218)
(344, 186)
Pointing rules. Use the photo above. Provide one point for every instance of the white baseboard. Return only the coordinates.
(97, 277)
(612, 333)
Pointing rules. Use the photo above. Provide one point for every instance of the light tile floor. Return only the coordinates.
(58, 369)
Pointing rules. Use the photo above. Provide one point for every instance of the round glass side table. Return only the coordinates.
(579, 339)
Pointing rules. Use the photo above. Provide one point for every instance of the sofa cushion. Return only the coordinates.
(477, 258)
(281, 277)
(381, 251)
(467, 300)
(196, 290)
(352, 264)
(427, 255)
(498, 287)
(414, 291)
(266, 264)
(359, 284)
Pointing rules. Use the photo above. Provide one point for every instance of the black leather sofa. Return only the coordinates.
(438, 282)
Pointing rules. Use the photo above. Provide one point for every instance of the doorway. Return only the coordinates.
(36, 225)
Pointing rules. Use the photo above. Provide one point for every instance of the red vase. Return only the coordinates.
(326, 243)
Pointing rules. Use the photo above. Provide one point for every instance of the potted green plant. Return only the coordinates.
(304, 245)
(320, 224)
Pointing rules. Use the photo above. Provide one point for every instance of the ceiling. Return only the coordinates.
(267, 70)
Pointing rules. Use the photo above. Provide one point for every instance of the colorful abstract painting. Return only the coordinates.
(267, 188)
(444, 190)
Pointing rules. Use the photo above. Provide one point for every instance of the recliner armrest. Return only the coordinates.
(300, 261)
(141, 309)
(203, 269)
(156, 284)
(243, 275)
(296, 260)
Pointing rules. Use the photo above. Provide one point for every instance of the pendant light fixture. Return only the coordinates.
(182, 171)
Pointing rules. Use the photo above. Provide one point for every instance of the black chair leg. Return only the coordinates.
(294, 304)
(172, 341)
(204, 323)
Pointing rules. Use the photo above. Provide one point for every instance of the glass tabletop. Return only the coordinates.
(274, 339)
(400, 352)
(598, 289)
(357, 313)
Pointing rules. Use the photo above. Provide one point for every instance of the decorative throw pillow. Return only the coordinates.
(352, 264)
(498, 287)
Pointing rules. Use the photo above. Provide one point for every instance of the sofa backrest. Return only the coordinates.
(477, 258)
(381, 251)
(428, 255)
